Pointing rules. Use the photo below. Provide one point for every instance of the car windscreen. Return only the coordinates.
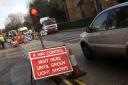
(49, 22)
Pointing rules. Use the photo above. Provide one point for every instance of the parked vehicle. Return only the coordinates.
(107, 34)
(49, 25)
(27, 33)
(16, 38)
(23, 29)
(8, 39)
(13, 35)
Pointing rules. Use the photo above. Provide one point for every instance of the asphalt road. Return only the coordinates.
(12, 66)
(68, 36)
(15, 69)
(103, 70)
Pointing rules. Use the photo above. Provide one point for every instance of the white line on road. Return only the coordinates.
(73, 40)
(70, 38)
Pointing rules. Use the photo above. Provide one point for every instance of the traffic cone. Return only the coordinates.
(76, 68)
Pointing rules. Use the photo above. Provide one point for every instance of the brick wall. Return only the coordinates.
(86, 8)
(71, 9)
(108, 3)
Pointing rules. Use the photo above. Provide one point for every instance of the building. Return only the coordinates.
(85, 8)
(70, 9)
(77, 9)
(106, 3)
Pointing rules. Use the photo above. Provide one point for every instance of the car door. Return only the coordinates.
(118, 30)
(97, 38)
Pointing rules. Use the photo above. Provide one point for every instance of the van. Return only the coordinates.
(49, 25)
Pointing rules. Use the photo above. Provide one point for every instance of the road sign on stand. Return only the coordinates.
(50, 62)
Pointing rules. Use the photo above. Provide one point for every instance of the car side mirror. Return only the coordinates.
(91, 29)
(88, 29)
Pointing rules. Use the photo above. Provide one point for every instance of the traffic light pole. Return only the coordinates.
(34, 13)
(41, 40)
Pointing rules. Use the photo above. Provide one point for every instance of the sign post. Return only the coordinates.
(41, 41)
(50, 62)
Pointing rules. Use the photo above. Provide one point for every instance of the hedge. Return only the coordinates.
(75, 24)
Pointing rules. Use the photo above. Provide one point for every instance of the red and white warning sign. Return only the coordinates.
(50, 62)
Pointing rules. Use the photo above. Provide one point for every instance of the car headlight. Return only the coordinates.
(83, 35)
(56, 26)
(45, 28)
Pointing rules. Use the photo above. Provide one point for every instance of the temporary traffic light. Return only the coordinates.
(34, 11)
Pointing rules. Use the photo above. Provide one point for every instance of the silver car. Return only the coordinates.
(108, 33)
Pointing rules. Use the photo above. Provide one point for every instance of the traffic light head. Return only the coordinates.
(34, 11)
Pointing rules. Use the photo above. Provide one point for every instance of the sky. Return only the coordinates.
(12, 6)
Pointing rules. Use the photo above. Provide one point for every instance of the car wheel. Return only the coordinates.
(86, 51)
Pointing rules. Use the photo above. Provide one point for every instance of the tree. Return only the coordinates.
(27, 22)
(14, 21)
(57, 10)
(8, 27)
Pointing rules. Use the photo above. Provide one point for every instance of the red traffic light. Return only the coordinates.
(34, 11)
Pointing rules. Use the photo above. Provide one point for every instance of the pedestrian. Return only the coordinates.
(30, 32)
(2, 41)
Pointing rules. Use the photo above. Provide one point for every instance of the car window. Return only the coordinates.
(118, 18)
(100, 22)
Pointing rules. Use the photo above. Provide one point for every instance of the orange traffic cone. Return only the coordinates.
(76, 68)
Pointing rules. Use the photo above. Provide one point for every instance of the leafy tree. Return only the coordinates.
(14, 21)
(27, 22)
(57, 10)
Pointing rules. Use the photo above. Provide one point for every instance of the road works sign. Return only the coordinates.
(50, 62)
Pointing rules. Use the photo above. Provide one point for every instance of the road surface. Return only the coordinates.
(103, 70)
(67, 36)
(14, 69)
